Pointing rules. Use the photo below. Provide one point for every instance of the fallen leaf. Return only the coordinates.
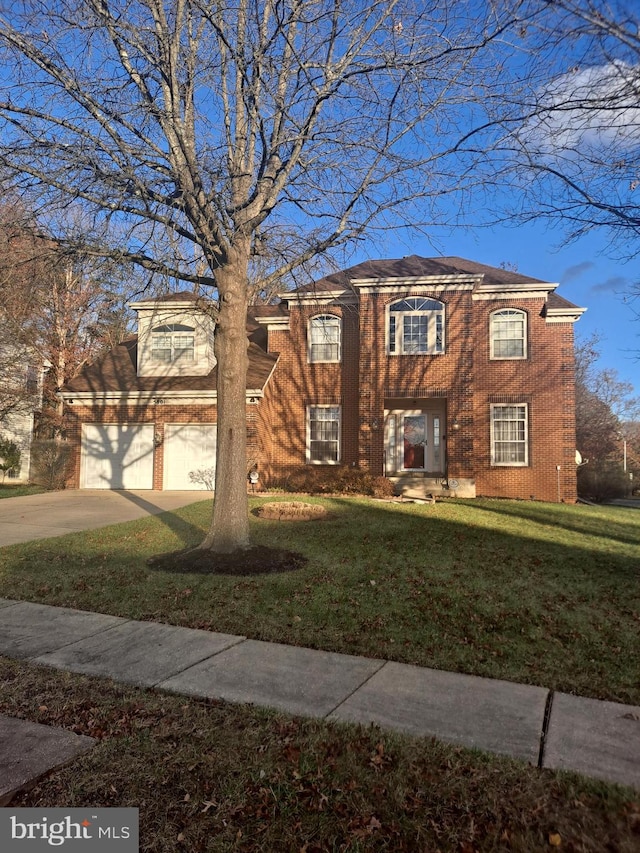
(554, 839)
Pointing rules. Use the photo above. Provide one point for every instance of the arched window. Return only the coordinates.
(416, 326)
(509, 334)
(173, 342)
(324, 338)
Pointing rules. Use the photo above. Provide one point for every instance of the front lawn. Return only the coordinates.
(539, 593)
(210, 776)
(8, 490)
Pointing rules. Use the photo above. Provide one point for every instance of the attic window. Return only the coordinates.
(173, 342)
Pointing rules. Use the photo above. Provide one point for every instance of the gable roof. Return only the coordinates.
(116, 371)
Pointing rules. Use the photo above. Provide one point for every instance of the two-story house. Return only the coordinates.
(440, 373)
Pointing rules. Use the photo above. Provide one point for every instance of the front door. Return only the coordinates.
(414, 442)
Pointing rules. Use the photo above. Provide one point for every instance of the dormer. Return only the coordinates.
(175, 336)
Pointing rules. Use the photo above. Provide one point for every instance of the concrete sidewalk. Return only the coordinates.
(599, 739)
(56, 513)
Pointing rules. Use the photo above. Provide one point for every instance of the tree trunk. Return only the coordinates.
(229, 529)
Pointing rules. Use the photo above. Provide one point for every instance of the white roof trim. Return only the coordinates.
(564, 315)
(159, 305)
(328, 297)
(409, 289)
(146, 398)
(526, 290)
(273, 322)
(413, 280)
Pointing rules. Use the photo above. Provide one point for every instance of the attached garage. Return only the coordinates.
(117, 456)
(188, 448)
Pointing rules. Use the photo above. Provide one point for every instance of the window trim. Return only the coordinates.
(524, 443)
(311, 343)
(492, 338)
(395, 341)
(309, 459)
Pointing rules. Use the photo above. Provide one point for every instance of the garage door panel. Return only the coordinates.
(117, 456)
(188, 448)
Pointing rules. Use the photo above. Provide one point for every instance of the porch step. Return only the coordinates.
(421, 486)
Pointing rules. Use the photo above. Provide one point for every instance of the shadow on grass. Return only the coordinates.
(526, 597)
(621, 526)
(182, 529)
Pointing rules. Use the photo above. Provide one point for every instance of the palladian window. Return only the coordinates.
(416, 327)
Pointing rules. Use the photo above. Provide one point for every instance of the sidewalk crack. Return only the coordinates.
(545, 728)
(355, 689)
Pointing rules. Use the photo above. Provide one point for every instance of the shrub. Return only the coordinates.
(600, 482)
(337, 480)
(10, 456)
(50, 463)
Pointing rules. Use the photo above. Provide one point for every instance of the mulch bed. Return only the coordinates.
(258, 560)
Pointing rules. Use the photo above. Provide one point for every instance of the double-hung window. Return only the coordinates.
(323, 434)
(416, 327)
(509, 334)
(510, 434)
(324, 338)
(173, 342)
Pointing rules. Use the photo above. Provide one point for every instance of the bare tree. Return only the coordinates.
(205, 130)
(572, 140)
(58, 308)
(606, 421)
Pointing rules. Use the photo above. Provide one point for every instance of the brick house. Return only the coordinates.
(442, 374)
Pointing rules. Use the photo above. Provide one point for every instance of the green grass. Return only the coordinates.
(538, 593)
(7, 490)
(208, 776)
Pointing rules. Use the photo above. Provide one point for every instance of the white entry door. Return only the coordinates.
(188, 448)
(117, 456)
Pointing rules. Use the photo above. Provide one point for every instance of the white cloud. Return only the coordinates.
(589, 108)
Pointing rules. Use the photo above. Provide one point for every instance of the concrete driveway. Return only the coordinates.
(56, 513)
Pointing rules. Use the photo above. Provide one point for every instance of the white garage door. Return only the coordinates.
(188, 448)
(117, 456)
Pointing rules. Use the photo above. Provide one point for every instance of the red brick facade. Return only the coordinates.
(451, 392)
(463, 382)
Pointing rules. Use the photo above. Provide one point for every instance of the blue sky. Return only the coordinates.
(586, 276)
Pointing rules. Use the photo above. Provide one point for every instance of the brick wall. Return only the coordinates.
(464, 376)
(464, 379)
(296, 384)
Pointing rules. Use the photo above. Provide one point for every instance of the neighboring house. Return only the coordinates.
(21, 378)
(440, 373)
